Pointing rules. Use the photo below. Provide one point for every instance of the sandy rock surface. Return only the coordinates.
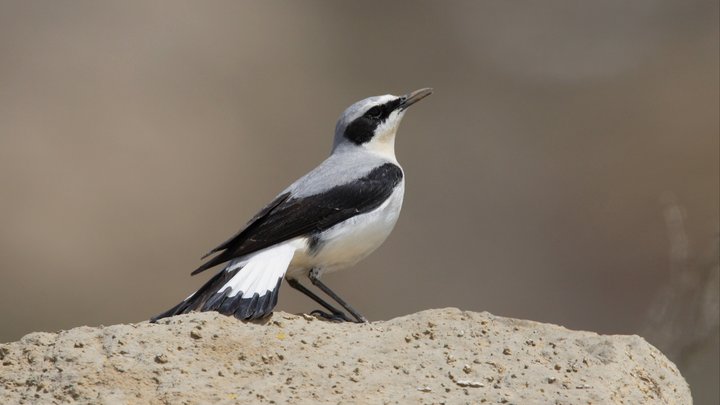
(436, 356)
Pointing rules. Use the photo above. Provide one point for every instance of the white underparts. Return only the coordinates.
(350, 241)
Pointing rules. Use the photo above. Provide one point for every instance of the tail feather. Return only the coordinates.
(205, 294)
(246, 290)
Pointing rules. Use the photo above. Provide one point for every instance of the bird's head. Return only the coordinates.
(373, 122)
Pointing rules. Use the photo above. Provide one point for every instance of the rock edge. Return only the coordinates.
(433, 356)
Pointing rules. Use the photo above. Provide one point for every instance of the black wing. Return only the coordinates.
(286, 218)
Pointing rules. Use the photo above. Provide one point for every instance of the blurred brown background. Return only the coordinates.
(565, 170)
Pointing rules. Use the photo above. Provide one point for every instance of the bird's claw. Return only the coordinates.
(334, 316)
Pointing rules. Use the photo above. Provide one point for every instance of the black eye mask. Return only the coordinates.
(362, 129)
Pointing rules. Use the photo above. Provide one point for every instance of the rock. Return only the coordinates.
(435, 356)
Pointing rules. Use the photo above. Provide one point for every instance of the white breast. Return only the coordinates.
(352, 240)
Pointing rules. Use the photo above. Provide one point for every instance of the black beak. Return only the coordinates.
(414, 97)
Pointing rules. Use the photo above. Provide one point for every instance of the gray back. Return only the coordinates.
(341, 167)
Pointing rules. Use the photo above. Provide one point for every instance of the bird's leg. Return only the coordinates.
(334, 315)
(314, 277)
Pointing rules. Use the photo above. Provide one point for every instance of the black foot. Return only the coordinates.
(334, 317)
(314, 277)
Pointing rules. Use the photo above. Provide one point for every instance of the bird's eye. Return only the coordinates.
(374, 112)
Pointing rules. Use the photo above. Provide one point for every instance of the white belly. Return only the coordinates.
(352, 240)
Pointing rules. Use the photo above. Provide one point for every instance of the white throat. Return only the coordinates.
(383, 143)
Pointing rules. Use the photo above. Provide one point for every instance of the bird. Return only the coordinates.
(328, 220)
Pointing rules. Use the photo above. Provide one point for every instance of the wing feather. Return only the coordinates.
(286, 218)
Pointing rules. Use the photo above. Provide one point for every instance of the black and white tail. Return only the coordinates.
(246, 289)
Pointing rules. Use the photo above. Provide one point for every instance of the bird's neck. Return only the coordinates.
(384, 147)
